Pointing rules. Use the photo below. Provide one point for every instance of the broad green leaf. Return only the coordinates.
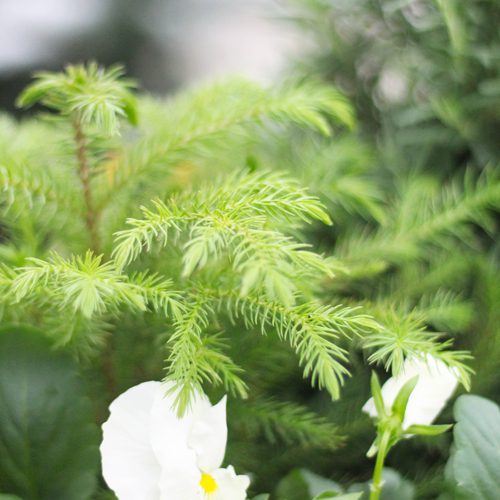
(474, 466)
(292, 487)
(9, 497)
(302, 483)
(48, 441)
(262, 496)
(318, 484)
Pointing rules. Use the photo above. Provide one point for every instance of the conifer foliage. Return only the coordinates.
(169, 238)
(238, 256)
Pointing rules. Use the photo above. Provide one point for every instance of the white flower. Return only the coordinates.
(435, 385)
(148, 453)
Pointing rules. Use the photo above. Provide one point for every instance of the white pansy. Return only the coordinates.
(148, 453)
(435, 385)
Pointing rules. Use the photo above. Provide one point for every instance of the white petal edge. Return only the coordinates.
(169, 434)
(229, 485)
(129, 465)
(436, 384)
(208, 434)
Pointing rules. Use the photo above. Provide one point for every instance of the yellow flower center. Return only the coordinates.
(208, 483)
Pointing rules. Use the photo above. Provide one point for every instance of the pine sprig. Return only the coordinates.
(443, 218)
(34, 180)
(285, 422)
(313, 330)
(91, 286)
(157, 291)
(19, 182)
(446, 311)
(84, 337)
(94, 95)
(405, 336)
(7, 276)
(205, 120)
(234, 218)
(195, 358)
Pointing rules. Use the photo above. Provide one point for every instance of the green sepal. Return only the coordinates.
(401, 401)
(373, 449)
(428, 430)
(377, 396)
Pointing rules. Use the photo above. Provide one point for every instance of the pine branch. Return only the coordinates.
(287, 422)
(339, 172)
(91, 287)
(84, 337)
(202, 121)
(92, 98)
(39, 195)
(157, 292)
(18, 182)
(195, 359)
(313, 330)
(233, 218)
(423, 221)
(446, 311)
(97, 97)
(406, 336)
(84, 175)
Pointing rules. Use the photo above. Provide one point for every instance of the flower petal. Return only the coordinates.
(436, 383)
(129, 465)
(169, 433)
(369, 408)
(180, 480)
(208, 435)
(188, 445)
(202, 430)
(229, 485)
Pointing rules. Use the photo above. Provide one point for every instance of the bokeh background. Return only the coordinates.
(164, 44)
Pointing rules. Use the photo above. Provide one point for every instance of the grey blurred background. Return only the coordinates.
(164, 44)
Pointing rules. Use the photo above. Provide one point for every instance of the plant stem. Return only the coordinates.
(376, 487)
(84, 174)
(91, 223)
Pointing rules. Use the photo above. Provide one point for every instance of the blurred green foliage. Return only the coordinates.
(49, 440)
(424, 79)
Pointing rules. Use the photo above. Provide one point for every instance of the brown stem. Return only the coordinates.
(91, 223)
(84, 174)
